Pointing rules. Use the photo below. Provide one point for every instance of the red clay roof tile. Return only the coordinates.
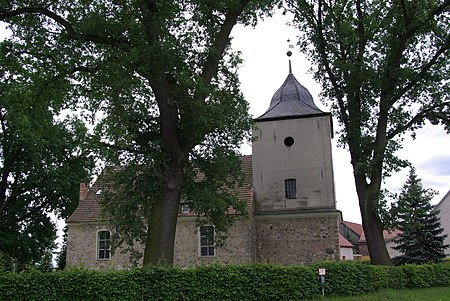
(89, 209)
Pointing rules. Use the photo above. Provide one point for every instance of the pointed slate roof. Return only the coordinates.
(292, 100)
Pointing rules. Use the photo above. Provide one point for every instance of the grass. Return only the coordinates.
(426, 294)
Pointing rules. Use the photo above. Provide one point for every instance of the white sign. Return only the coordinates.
(322, 272)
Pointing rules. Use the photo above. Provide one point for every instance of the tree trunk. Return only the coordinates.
(372, 225)
(159, 247)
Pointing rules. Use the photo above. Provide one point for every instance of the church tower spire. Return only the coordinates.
(291, 100)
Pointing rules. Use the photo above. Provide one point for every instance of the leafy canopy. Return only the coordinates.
(42, 157)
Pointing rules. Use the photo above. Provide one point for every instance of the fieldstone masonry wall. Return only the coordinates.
(288, 239)
(237, 249)
(295, 240)
(82, 248)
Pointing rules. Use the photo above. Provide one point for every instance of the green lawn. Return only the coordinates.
(427, 294)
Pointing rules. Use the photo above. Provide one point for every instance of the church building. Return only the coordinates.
(290, 194)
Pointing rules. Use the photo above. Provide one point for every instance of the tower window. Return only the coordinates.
(289, 141)
(290, 188)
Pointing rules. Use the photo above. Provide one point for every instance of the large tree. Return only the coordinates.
(42, 159)
(383, 66)
(164, 78)
(421, 239)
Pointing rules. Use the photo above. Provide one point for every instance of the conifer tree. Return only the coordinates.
(421, 240)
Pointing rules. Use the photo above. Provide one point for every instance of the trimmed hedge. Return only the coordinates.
(246, 282)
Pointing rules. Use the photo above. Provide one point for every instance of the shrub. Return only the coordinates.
(216, 282)
(397, 278)
(380, 278)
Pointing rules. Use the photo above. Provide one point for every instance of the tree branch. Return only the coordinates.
(39, 207)
(221, 41)
(63, 74)
(7, 166)
(361, 32)
(116, 147)
(396, 54)
(416, 119)
(4, 15)
(405, 14)
(423, 71)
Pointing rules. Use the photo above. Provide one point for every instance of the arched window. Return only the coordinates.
(104, 244)
(290, 188)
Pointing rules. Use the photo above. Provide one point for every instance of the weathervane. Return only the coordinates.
(289, 53)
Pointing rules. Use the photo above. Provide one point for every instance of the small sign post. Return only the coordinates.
(322, 274)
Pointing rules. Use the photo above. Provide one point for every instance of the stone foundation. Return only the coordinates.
(296, 239)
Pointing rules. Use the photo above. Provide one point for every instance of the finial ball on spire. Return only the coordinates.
(289, 53)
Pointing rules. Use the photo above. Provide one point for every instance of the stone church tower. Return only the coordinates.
(295, 216)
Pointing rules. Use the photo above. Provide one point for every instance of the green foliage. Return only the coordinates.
(347, 278)
(6, 262)
(246, 282)
(353, 278)
(442, 272)
(42, 157)
(397, 278)
(62, 254)
(421, 239)
(380, 277)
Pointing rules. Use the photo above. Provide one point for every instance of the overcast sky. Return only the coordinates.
(264, 70)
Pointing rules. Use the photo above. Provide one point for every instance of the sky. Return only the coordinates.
(265, 68)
